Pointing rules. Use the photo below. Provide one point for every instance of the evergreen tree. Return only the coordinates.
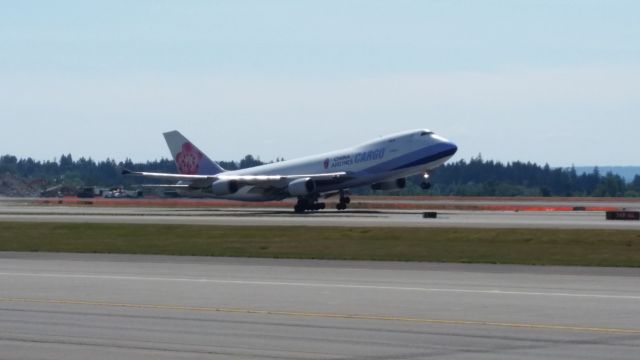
(474, 177)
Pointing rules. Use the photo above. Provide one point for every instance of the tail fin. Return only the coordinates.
(189, 159)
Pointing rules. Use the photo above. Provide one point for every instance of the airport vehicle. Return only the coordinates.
(383, 164)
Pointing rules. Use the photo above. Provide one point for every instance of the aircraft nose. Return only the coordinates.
(453, 148)
(449, 147)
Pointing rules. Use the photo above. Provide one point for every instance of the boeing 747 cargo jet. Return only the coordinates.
(383, 164)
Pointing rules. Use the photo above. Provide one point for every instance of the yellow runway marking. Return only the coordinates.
(325, 315)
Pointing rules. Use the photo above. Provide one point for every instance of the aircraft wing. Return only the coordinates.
(201, 181)
(168, 176)
(260, 178)
(196, 181)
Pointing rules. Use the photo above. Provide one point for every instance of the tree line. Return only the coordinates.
(105, 173)
(475, 177)
(478, 177)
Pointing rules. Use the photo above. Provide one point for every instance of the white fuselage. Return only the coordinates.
(384, 159)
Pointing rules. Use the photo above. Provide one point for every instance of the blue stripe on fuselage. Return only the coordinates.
(416, 158)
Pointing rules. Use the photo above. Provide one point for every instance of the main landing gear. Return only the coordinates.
(344, 201)
(308, 204)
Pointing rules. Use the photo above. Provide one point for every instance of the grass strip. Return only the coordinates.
(506, 246)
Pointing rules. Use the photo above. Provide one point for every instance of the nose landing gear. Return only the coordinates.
(425, 184)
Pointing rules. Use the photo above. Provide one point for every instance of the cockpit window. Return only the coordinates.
(425, 133)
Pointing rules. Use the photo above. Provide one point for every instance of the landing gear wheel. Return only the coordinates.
(301, 206)
(308, 204)
(344, 200)
(425, 186)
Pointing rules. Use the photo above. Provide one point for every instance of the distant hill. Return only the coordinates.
(627, 172)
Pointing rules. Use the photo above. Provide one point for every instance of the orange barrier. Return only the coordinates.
(538, 199)
(464, 207)
(160, 202)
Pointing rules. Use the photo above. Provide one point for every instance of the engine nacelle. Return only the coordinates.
(224, 187)
(301, 187)
(390, 185)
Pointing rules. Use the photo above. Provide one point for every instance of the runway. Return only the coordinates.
(62, 306)
(241, 216)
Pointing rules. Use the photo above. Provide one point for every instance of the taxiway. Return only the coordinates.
(63, 306)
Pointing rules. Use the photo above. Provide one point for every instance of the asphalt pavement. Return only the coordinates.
(243, 216)
(81, 306)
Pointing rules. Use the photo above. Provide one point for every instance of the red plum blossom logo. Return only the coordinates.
(188, 159)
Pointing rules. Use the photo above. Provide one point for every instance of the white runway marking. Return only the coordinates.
(323, 285)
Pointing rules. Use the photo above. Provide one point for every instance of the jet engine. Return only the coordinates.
(224, 187)
(390, 185)
(302, 187)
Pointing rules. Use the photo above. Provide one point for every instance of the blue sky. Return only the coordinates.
(544, 81)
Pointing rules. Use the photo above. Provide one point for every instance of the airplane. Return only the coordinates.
(383, 164)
